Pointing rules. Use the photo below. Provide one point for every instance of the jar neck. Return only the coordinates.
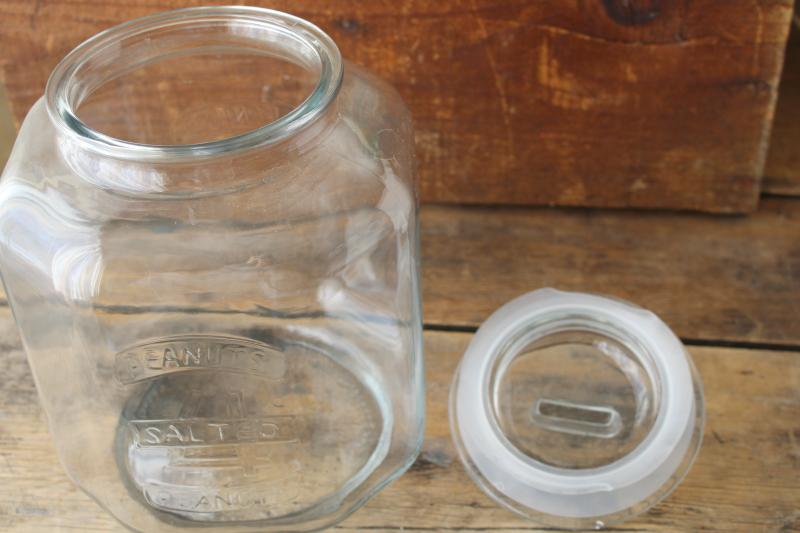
(200, 168)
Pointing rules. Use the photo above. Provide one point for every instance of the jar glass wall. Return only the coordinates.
(208, 237)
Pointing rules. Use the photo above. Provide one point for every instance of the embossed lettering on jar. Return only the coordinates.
(208, 237)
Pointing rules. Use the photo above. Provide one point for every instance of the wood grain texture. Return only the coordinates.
(7, 130)
(646, 103)
(734, 279)
(782, 172)
(747, 476)
(729, 279)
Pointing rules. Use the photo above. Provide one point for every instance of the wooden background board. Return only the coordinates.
(645, 103)
(746, 478)
(782, 172)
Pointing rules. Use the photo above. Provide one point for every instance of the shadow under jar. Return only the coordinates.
(208, 237)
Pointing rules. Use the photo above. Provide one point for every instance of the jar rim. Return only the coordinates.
(60, 103)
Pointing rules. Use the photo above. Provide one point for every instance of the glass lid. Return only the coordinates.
(576, 410)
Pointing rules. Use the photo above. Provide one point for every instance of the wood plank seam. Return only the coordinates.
(719, 343)
(721, 280)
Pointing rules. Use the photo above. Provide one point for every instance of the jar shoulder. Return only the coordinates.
(348, 195)
(373, 102)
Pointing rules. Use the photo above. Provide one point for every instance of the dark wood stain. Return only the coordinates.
(633, 12)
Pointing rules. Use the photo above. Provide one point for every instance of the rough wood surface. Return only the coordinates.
(732, 279)
(782, 172)
(729, 279)
(647, 103)
(747, 477)
(7, 130)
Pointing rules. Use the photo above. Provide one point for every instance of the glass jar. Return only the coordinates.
(208, 237)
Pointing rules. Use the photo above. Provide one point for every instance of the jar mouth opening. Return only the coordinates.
(141, 42)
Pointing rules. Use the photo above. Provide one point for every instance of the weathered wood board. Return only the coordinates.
(644, 103)
(782, 172)
(747, 476)
(726, 279)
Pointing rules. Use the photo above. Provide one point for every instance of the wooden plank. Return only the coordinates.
(782, 172)
(646, 103)
(733, 279)
(747, 477)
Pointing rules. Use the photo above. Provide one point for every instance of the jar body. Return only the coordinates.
(240, 358)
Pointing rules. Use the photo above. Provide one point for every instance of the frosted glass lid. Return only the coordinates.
(576, 410)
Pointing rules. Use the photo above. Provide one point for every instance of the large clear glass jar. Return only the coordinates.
(208, 237)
